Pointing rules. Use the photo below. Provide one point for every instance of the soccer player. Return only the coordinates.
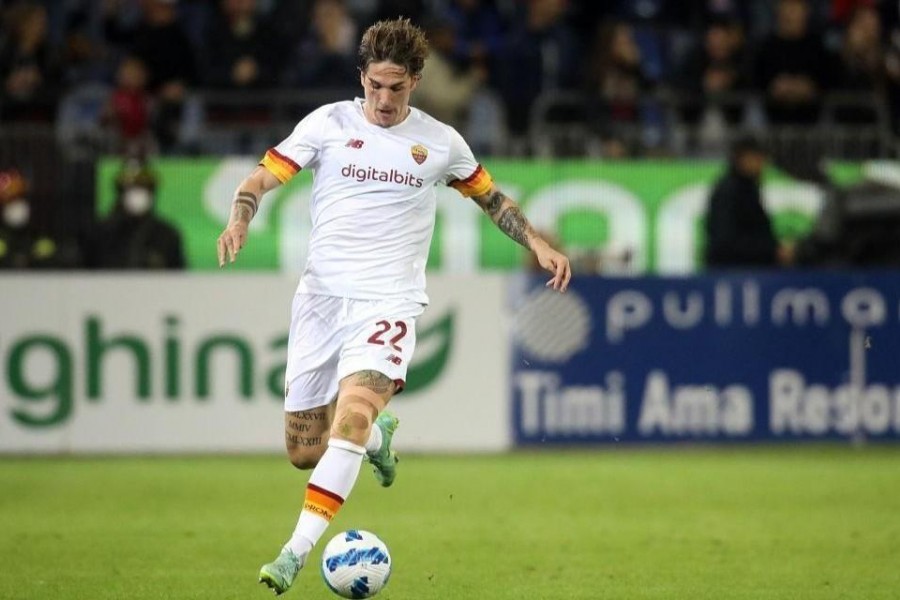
(375, 162)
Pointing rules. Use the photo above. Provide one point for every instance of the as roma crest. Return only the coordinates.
(419, 153)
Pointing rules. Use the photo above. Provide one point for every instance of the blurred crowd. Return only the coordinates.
(133, 65)
(145, 75)
(130, 235)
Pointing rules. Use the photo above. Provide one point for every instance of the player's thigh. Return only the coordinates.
(373, 364)
(381, 387)
(314, 345)
(379, 347)
(311, 382)
(306, 434)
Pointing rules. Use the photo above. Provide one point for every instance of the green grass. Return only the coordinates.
(692, 523)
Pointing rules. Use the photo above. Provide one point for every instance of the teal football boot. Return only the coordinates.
(280, 573)
(384, 462)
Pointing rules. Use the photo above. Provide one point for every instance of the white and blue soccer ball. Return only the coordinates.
(356, 564)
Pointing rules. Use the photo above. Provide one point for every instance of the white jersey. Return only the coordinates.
(373, 198)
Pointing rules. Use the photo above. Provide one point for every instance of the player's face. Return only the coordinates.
(387, 88)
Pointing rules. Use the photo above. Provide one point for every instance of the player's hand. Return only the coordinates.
(231, 241)
(555, 262)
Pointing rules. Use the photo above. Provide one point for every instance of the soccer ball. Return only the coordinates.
(356, 564)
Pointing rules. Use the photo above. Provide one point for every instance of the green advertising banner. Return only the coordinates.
(639, 217)
(128, 363)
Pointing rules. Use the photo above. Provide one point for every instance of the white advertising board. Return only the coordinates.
(195, 363)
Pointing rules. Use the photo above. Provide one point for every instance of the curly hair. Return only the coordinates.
(394, 40)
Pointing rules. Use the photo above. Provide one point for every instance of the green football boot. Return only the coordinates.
(385, 460)
(280, 573)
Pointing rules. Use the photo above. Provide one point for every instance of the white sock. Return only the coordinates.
(329, 485)
(373, 444)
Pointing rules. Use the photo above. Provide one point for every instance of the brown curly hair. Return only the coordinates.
(394, 40)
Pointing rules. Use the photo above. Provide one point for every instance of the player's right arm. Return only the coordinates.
(246, 201)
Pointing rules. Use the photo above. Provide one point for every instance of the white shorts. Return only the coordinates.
(333, 337)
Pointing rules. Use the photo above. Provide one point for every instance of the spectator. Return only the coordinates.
(614, 82)
(290, 20)
(445, 91)
(162, 44)
(128, 109)
(842, 10)
(716, 67)
(862, 67)
(132, 236)
(327, 56)
(243, 48)
(892, 72)
(699, 14)
(862, 54)
(479, 32)
(29, 67)
(20, 246)
(541, 54)
(85, 58)
(159, 41)
(793, 67)
(738, 231)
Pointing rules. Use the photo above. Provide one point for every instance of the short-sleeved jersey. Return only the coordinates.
(373, 198)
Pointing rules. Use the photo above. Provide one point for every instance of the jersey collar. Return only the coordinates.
(360, 104)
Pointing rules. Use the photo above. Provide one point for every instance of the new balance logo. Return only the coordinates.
(395, 359)
(357, 144)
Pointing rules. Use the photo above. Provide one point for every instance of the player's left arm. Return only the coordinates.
(508, 217)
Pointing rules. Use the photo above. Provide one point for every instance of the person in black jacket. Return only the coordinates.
(738, 229)
(243, 48)
(22, 244)
(132, 236)
(793, 68)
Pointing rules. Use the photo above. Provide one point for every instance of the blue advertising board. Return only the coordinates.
(736, 357)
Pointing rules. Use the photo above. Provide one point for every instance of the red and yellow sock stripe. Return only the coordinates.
(321, 502)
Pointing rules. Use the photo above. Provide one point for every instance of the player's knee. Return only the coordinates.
(303, 457)
(353, 422)
(304, 463)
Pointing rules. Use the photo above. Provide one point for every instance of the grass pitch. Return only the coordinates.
(692, 523)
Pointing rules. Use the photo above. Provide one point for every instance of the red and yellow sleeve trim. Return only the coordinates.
(476, 184)
(321, 502)
(279, 165)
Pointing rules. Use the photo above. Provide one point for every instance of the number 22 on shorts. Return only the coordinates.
(398, 329)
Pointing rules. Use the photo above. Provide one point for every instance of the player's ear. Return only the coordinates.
(415, 82)
(362, 78)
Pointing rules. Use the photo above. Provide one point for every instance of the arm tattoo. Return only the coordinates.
(507, 215)
(493, 203)
(375, 381)
(514, 224)
(245, 206)
(241, 212)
